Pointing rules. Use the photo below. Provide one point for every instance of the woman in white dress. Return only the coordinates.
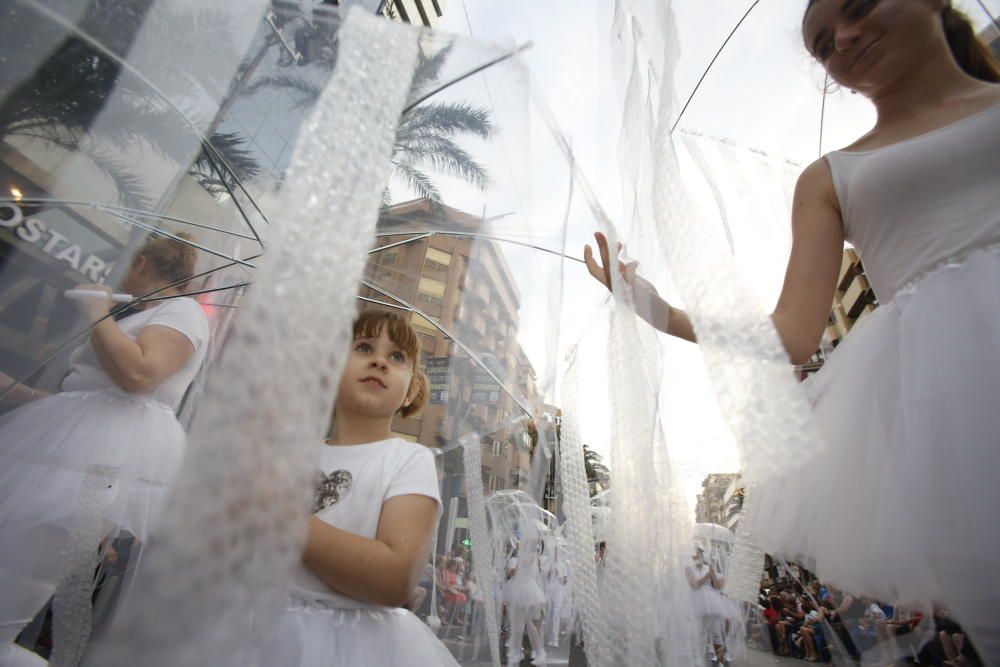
(111, 427)
(902, 504)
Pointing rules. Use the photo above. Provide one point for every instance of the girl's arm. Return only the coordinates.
(139, 365)
(810, 279)
(382, 571)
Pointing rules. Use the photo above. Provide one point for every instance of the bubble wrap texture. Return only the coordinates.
(579, 528)
(217, 574)
(482, 559)
(746, 564)
(758, 396)
(71, 606)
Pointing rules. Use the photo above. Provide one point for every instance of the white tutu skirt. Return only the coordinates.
(308, 635)
(126, 447)
(524, 593)
(902, 504)
(707, 601)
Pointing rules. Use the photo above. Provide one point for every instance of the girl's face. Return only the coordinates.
(866, 45)
(377, 378)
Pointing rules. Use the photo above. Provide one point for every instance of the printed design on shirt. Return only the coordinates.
(331, 489)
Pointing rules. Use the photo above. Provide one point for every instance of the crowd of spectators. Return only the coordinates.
(818, 622)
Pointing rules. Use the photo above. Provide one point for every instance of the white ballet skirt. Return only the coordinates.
(313, 634)
(126, 446)
(902, 504)
(522, 590)
(708, 600)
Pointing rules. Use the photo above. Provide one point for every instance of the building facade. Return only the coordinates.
(720, 500)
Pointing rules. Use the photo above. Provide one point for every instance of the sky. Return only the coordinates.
(757, 113)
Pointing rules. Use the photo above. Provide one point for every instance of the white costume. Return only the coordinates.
(323, 628)
(525, 600)
(710, 606)
(902, 505)
(92, 433)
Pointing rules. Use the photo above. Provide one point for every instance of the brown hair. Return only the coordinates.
(975, 58)
(370, 323)
(172, 260)
(972, 55)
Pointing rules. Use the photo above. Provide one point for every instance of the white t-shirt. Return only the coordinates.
(356, 480)
(182, 314)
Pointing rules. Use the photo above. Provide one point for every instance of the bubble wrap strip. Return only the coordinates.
(71, 606)
(482, 558)
(764, 407)
(579, 526)
(218, 572)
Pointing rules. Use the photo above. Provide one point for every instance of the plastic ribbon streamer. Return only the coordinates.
(216, 576)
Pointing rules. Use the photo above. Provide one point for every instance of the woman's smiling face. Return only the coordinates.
(866, 45)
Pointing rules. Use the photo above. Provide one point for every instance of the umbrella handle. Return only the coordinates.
(76, 294)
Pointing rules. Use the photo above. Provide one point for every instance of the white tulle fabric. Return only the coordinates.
(217, 578)
(314, 636)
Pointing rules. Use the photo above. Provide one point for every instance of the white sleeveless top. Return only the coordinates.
(923, 202)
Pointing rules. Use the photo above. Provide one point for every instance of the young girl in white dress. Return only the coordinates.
(113, 419)
(523, 595)
(902, 505)
(376, 508)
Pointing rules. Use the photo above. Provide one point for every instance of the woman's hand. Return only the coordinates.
(94, 307)
(648, 304)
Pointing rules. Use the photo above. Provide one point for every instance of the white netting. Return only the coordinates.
(218, 571)
(758, 396)
(579, 526)
(482, 554)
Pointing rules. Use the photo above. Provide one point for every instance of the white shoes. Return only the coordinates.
(540, 658)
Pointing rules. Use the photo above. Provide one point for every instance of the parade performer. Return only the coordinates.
(710, 607)
(525, 600)
(376, 508)
(902, 506)
(114, 417)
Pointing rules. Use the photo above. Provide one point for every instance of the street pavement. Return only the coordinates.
(462, 650)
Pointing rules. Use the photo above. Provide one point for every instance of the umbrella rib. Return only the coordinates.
(198, 246)
(383, 303)
(477, 235)
(465, 348)
(499, 59)
(424, 235)
(194, 293)
(710, 65)
(184, 280)
(982, 4)
(822, 113)
(236, 202)
(123, 209)
(83, 35)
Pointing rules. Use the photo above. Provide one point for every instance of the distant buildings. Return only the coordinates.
(720, 500)
(461, 297)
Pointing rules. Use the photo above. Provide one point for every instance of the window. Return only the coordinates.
(387, 257)
(431, 290)
(422, 325)
(439, 260)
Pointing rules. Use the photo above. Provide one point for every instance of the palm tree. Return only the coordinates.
(426, 136)
(61, 100)
(598, 475)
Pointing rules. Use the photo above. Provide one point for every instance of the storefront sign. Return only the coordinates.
(437, 376)
(52, 243)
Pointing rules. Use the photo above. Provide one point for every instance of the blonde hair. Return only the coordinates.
(371, 323)
(171, 259)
